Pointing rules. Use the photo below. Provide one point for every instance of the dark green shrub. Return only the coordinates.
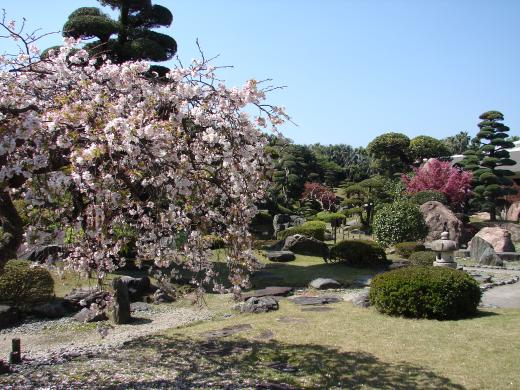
(425, 292)
(422, 258)
(23, 286)
(399, 222)
(18, 264)
(329, 217)
(422, 197)
(314, 229)
(405, 249)
(359, 253)
(262, 218)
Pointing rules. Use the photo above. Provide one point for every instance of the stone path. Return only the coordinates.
(502, 296)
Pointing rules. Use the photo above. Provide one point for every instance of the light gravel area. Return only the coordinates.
(46, 339)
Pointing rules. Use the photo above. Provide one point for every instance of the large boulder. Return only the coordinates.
(271, 291)
(90, 315)
(285, 221)
(513, 213)
(280, 256)
(483, 252)
(499, 238)
(304, 245)
(9, 316)
(438, 218)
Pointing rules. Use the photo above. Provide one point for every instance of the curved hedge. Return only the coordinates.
(422, 197)
(23, 286)
(425, 292)
(314, 229)
(399, 222)
(405, 249)
(422, 258)
(359, 253)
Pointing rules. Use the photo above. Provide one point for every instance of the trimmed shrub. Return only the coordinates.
(23, 286)
(422, 258)
(359, 253)
(425, 292)
(314, 229)
(17, 264)
(400, 221)
(405, 249)
(422, 197)
(327, 216)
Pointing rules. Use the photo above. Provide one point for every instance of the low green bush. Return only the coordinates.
(422, 258)
(425, 292)
(329, 217)
(405, 249)
(422, 197)
(23, 286)
(359, 253)
(399, 221)
(314, 229)
(18, 264)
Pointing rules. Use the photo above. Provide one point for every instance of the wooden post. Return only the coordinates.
(15, 356)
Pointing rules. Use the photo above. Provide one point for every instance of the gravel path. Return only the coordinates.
(43, 339)
(502, 296)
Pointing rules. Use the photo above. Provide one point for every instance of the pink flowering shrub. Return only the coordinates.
(440, 176)
(319, 193)
(171, 160)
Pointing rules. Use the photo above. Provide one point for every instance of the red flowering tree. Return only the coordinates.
(440, 176)
(319, 193)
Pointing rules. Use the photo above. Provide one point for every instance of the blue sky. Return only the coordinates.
(354, 69)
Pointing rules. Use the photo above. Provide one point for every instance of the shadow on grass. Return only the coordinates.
(238, 364)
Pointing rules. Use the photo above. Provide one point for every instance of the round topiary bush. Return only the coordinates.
(23, 286)
(422, 197)
(359, 253)
(422, 258)
(399, 222)
(425, 292)
(405, 249)
(315, 229)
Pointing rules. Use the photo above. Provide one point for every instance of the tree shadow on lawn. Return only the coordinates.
(240, 363)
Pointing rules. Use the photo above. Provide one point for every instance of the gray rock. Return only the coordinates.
(285, 221)
(137, 287)
(54, 309)
(483, 252)
(489, 257)
(84, 297)
(315, 300)
(363, 281)
(276, 246)
(119, 310)
(324, 283)
(438, 217)
(268, 291)
(259, 305)
(161, 296)
(90, 315)
(513, 212)
(361, 299)
(304, 245)
(280, 256)
(9, 316)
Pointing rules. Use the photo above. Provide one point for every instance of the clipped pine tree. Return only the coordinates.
(490, 180)
(128, 38)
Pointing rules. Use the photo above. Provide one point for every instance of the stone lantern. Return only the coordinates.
(445, 249)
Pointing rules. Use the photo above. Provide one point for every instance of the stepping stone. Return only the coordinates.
(280, 256)
(275, 291)
(264, 336)
(324, 283)
(283, 367)
(317, 308)
(315, 300)
(227, 331)
(291, 320)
